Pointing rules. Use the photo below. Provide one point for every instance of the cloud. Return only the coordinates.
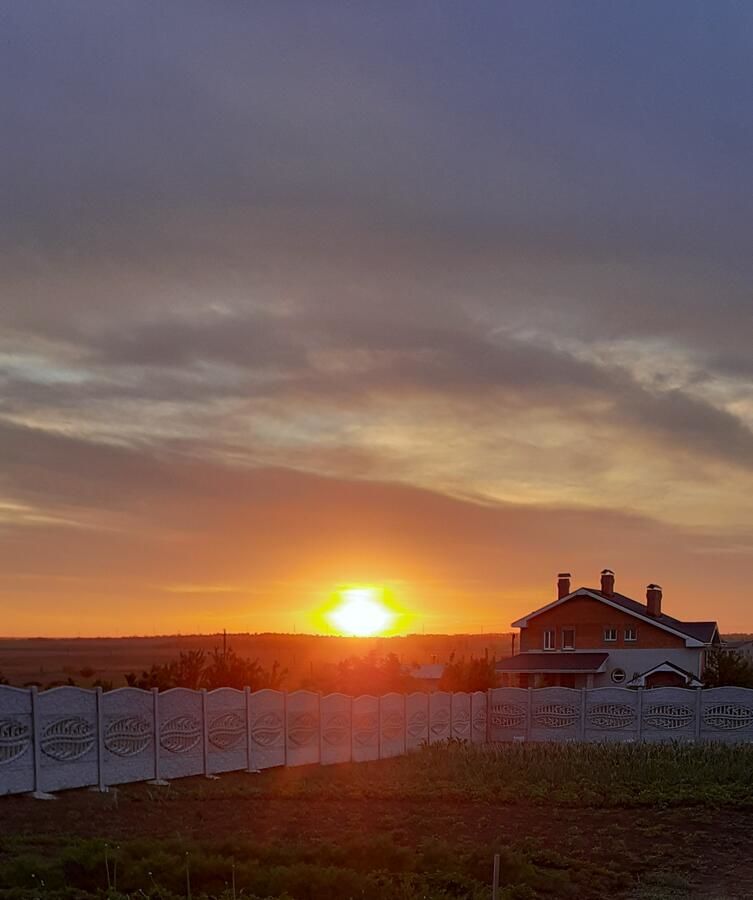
(500, 258)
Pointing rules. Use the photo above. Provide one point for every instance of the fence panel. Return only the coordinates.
(16, 741)
(365, 728)
(556, 714)
(460, 707)
(71, 737)
(302, 728)
(181, 733)
(391, 725)
(335, 726)
(416, 720)
(669, 714)
(226, 731)
(478, 717)
(727, 715)
(68, 738)
(612, 714)
(440, 716)
(509, 714)
(266, 726)
(128, 721)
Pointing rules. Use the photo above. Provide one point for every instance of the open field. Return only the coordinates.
(46, 660)
(636, 821)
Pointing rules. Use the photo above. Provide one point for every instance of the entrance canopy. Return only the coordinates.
(555, 663)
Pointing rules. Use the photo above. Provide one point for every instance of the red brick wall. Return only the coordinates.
(589, 617)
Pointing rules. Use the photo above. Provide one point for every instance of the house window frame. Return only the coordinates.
(610, 629)
(564, 629)
(630, 629)
(550, 639)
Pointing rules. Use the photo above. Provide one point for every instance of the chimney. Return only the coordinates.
(653, 600)
(563, 585)
(607, 582)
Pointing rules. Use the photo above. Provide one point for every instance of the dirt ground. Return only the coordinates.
(707, 853)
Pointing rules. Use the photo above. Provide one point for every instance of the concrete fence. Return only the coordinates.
(72, 737)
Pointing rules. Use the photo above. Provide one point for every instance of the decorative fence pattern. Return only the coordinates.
(71, 737)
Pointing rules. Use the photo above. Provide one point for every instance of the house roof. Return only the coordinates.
(699, 632)
(554, 662)
(666, 666)
(429, 672)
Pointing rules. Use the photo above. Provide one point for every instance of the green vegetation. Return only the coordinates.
(370, 674)
(573, 776)
(221, 668)
(372, 868)
(475, 674)
(580, 821)
(728, 667)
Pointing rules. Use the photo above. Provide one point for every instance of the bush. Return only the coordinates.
(728, 668)
(224, 668)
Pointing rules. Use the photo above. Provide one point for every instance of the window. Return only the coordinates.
(631, 633)
(618, 676)
(568, 639)
(610, 634)
(549, 640)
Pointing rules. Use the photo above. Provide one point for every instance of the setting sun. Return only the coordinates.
(361, 612)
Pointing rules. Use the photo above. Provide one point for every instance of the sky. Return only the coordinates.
(447, 297)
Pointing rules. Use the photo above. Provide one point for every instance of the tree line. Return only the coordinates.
(370, 674)
(355, 675)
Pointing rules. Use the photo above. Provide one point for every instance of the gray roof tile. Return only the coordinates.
(700, 631)
(553, 661)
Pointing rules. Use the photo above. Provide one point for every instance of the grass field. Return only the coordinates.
(633, 821)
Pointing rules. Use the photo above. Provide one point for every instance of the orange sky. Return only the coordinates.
(263, 550)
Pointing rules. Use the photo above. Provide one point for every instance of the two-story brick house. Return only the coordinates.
(593, 637)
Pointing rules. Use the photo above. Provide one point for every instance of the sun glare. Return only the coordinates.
(361, 612)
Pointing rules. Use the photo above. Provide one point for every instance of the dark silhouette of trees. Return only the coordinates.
(363, 675)
(469, 675)
(223, 668)
(728, 668)
(226, 669)
(185, 671)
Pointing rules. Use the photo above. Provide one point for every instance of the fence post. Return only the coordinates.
(249, 760)
(36, 727)
(488, 734)
(205, 732)
(698, 713)
(405, 725)
(529, 716)
(285, 726)
(640, 713)
(319, 720)
(583, 692)
(158, 780)
(101, 786)
(379, 726)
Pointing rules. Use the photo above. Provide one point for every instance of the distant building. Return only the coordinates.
(596, 637)
(744, 648)
(428, 676)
